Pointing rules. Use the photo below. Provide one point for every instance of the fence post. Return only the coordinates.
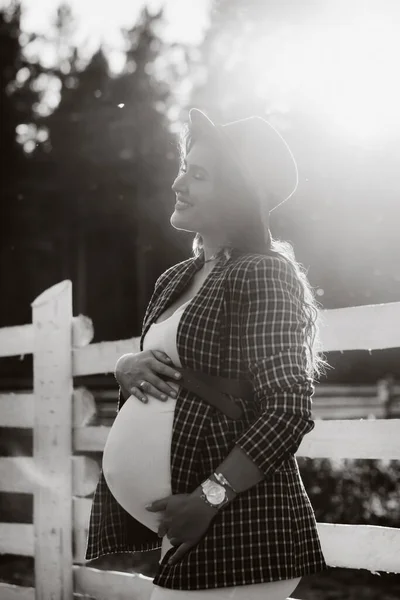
(52, 446)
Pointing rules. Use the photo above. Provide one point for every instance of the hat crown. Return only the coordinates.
(263, 155)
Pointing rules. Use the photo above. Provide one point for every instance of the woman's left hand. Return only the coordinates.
(185, 521)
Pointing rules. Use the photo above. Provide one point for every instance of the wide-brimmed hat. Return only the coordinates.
(258, 150)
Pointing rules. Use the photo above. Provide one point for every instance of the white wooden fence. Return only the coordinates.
(62, 483)
(330, 401)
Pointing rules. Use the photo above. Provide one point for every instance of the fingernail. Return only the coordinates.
(163, 396)
(173, 394)
(148, 505)
(177, 375)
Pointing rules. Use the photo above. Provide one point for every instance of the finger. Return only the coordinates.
(167, 371)
(182, 550)
(138, 394)
(174, 541)
(157, 505)
(162, 356)
(163, 528)
(157, 387)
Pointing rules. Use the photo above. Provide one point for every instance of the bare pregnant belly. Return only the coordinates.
(136, 457)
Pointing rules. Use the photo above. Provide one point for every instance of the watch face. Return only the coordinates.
(214, 492)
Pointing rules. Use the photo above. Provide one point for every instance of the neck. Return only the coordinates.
(211, 247)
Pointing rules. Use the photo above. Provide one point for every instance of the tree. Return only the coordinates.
(109, 169)
(16, 110)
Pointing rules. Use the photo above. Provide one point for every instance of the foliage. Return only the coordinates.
(93, 186)
(357, 491)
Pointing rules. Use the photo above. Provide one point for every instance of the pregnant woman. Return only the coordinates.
(200, 459)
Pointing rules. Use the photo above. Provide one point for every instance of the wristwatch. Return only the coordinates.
(214, 494)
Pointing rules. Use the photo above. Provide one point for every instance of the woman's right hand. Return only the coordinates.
(138, 373)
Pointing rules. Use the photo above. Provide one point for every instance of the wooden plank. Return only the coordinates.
(86, 472)
(18, 340)
(349, 546)
(19, 592)
(82, 331)
(350, 412)
(352, 328)
(346, 401)
(361, 546)
(346, 390)
(81, 516)
(17, 410)
(104, 585)
(365, 438)
(16, 538)
(107, 413)
(368, 327)
(16, 592)
(19, 475)
(101, 357)
(52, 441)
(90, 439)
(84, 407)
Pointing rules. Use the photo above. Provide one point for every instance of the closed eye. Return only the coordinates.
(196, 172)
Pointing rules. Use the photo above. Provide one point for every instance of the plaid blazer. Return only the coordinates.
(245, 322)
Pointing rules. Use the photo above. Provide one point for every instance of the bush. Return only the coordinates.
(353, 491)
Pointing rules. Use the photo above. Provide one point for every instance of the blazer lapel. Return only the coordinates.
(172, 291)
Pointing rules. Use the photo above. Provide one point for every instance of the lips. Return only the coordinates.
(184, 201)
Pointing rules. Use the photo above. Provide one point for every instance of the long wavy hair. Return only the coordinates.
(247, 228)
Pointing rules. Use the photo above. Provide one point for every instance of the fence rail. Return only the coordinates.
(330, 401)
(63, 482)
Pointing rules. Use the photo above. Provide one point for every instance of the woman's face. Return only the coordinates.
(200, 206)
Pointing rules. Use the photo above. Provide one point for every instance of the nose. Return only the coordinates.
(179, 184)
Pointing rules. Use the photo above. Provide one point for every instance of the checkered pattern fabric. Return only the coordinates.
(245, 322)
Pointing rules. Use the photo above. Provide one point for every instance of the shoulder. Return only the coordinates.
(251, 271)
(172, 272)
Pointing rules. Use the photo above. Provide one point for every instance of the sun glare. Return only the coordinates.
(346, 73)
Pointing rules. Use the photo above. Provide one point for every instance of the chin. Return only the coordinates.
(179, 222)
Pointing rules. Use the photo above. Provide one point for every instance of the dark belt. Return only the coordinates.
(213, 389)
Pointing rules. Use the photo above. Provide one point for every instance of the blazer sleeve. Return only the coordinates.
(274, 351)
